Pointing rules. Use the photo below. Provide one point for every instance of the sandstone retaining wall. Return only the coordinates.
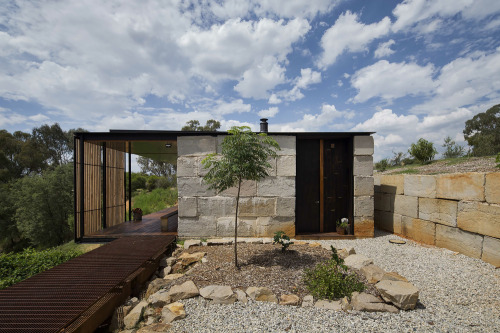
(460, 211)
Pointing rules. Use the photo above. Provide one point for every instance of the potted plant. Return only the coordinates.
(137, 214)
(342, 226)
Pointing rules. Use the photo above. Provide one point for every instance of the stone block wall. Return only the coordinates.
(460, 211)
(265, 207)
(363, 186)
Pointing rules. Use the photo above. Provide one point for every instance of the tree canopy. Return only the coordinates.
(194, 125)
(482, 132)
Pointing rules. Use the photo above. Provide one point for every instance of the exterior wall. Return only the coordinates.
(363, 186)
(460, 212)
(265, 207)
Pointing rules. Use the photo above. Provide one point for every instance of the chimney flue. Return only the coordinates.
(263, 125)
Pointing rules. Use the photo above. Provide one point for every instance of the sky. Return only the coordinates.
(403, 69)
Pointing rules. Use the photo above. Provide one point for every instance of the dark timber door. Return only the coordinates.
(323, 184)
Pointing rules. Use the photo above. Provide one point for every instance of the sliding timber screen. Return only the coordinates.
(115, 189)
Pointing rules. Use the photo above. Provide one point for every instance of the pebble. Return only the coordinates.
(457, 294)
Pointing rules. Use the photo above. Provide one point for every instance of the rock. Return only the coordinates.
(308, 301)
(370, 303)
(314, 244)
(171, 277)
(155, 328)
(404, 295)
(289, 300)
(219, 294)
(253, 240)
(189, 258)
(296, 242)
(173, 311)
(165, 271)
(163, 262)
(331, 305)
(219, 241)
(242, 297)
(344, 253)
(159, 299)
(261, 294)
(186, 290)
(357, 261)
(346, 305)
(133, 318)
(171, 261)
(267, 241)
(191, 242)
(204, 260)
(393, 276)
(372, 273)
(154, 286)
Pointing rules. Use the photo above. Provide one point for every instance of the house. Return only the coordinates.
(317, 179)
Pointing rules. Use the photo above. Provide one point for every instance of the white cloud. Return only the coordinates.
(269, 113)
(348, 34)
(384, 49)
(274, 99)
(307, 77)
(340, 83)
(392, 80)
(257, 81)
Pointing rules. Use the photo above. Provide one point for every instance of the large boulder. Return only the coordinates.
(219, 294)
(331, 305)
(370, 303)
(191, 242)
(172, 277)
(261, 294)
(154, 286)
(173, 311)
(393, 276)
(187, 259)
(159, 299)
(135, 316)
(344, 253)
(357, 261)
(372, 273)
(186, 290)
(404, 295)
(165, 271)
(242, 296)
(289, 299)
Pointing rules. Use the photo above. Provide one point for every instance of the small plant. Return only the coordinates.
(331, 280)
(343, 223)
(423, 151)
(453, 149)
(281, 238)
(498, 160)
(382, 165)
(137, 211)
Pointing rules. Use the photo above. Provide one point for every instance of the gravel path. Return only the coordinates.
(457, 294)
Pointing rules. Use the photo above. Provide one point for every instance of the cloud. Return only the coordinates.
(349, 35)
(307, 77)
(268, 113)
(392, 80)
(384, 49)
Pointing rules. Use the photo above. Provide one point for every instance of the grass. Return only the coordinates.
(156, 200)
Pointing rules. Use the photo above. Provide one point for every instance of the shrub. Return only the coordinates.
(281, 238)
(15, 267)
(498, 160)
(382, 165)
(423, 150)
(331, 279)
(155, 200)
(398, 158)
(453, 150)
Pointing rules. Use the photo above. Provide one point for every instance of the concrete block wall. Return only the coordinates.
(265, 207)
(459, 211)
(363, 186)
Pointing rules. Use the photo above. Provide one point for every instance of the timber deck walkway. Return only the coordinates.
(80, 294)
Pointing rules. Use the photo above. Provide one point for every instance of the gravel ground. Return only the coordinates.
(472, 164)
(457, 294)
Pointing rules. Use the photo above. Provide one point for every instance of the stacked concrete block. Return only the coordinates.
(460, 211)
(364, 200)
(265, 207)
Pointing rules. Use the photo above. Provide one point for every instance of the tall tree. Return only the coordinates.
(244, 156)
(157, 168)
(423, 151)
(452, 148)
(54, 143)
(194, 125)
(482, 132)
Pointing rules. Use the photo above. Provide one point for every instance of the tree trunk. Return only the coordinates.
(236, 226)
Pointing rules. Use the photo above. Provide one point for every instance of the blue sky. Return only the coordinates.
(403, 69)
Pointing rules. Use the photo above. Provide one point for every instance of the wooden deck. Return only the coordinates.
(149, 226)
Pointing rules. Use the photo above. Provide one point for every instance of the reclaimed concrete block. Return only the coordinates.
(419, 230)
(420, 186)
(491, 251)
(479, 217)
(376, 180)
(248, 189)
(363, 165)
(257, 206)
(276, 187)
(285, 206)
(364, 206)
(220, 138)
(492, 188)
(438, 210)
(216, 206)
(187, 166)
(388, 221)
(285, 166)
(193, 187)
(202, 226)
(363, 145)
(364, 226)
(461, 186)
(246, 226)
(458, 240)
(363, 186)
(393, 184)
(196, 145)
(188, 207)
(384, 201)
(287, 144)
(406, 205)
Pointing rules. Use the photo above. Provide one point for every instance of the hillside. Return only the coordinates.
(452, 165)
